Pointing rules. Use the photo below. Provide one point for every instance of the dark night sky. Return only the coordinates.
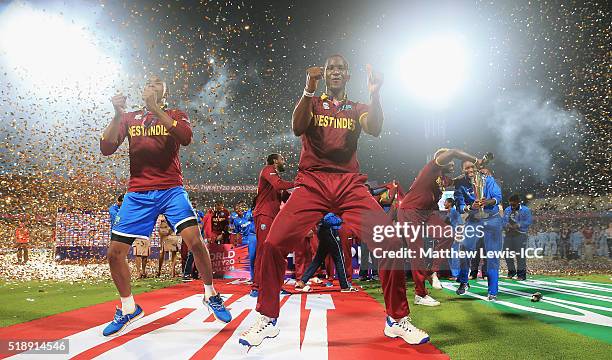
(534, 91)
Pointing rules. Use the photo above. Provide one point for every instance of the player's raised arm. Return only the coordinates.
(373, 122)
(179, 129)
(444, 156)
(114, 133)
(302, 114)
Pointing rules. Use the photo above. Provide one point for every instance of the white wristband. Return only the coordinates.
(308, 94)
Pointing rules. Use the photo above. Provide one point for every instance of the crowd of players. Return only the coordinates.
(329, 194)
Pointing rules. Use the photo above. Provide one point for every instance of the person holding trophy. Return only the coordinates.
(478, 196)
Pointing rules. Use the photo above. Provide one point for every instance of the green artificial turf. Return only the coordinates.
(25, 301)
(467, 328)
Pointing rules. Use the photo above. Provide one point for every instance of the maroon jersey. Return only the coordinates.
(269, 192)
(154, 150)
(220, 220)
(426, 189)
(330, 142)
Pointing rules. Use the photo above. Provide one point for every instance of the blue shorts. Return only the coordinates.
(140, 210)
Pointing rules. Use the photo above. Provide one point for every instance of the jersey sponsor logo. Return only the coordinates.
(336, 123)
(262, 226)
(141, 130)
(326, 105)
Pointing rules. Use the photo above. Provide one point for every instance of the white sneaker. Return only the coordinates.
(435, 282)
(316, 280)
(306, 288)
(425, 300)
(263, 328)
(405, 330)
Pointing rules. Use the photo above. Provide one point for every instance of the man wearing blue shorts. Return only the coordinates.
(155, 135)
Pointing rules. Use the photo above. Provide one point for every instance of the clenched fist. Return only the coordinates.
(119, 102)
(150, 98)
(375, 80)
(314, 74)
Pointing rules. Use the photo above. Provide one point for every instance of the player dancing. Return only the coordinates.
(155, 135)
(328, 180)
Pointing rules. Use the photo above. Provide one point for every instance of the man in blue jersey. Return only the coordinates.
(517, 219)
(241, 222)
(483, 216)
(454, 219)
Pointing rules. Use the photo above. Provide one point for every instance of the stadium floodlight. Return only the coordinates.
(433, 69)
(51, 51)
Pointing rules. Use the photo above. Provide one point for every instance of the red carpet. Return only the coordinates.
(330, 325)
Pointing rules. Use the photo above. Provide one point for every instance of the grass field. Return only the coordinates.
(24, 301)
(466, 328)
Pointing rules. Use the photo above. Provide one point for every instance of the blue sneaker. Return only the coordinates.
(215, 304)
(329, 284)
(254, 293)
(121, 322)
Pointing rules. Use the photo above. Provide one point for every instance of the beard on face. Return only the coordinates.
(280, 167)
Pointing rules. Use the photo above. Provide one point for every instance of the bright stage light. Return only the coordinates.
(51, 52)
(434, 69)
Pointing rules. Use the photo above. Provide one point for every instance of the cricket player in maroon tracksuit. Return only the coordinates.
(328, 180)
(270, 190)
(420, 206)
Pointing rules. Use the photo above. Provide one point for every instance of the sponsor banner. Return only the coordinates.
(229, 261)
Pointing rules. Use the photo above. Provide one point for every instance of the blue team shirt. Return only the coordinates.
(464, 195)
(454, 217)
(244, 224)
(522, 217)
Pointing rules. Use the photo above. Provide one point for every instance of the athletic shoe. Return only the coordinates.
(364, 278)
(306, 288)
(254, 293)
(187, 279)
(492, 297)
(521, 278)
(462, 288)
(329, 284)
(405, 330)
(349, 289)
(510, 276)
(215, 305)
(375, 278)
(316, 280)
(425, 300)
(435, 282)
(121, 322)
(452, 278)
(285, 292)
(263, 328)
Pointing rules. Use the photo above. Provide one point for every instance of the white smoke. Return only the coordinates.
(531, 129)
